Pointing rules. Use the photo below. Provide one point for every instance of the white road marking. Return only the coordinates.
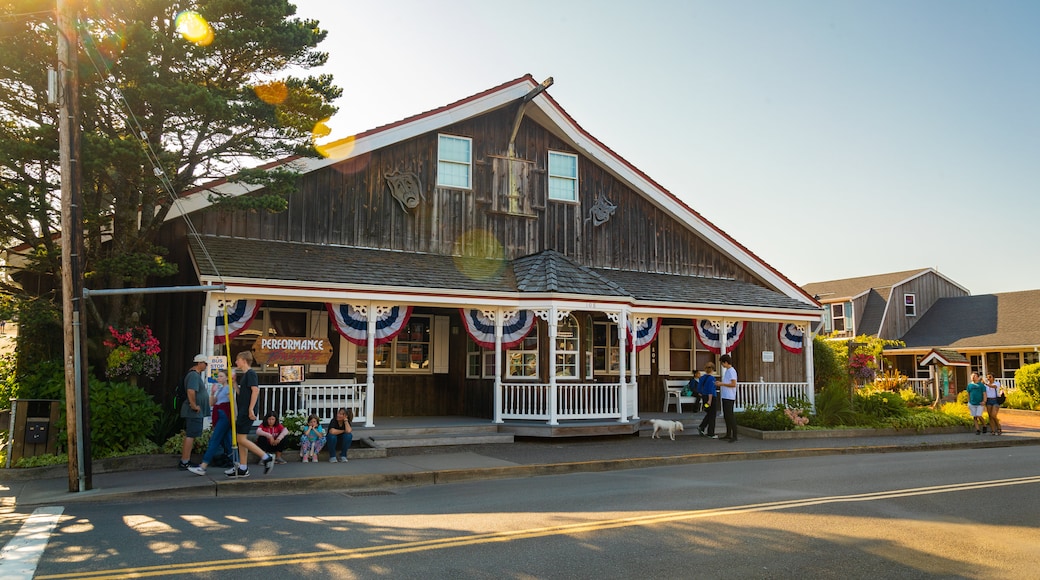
(20, 556)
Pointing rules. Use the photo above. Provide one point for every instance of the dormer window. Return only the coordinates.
(454, 162)
(910, 304)
(563, 176)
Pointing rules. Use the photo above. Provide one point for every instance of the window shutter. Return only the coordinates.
(347, 356)
(441, 328)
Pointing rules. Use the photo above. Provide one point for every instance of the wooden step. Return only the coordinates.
(437, 439)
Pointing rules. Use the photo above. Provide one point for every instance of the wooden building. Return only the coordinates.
(414, 249)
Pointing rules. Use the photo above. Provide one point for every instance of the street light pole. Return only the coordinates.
(77, 402)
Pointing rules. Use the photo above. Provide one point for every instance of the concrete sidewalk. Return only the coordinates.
(524, 458)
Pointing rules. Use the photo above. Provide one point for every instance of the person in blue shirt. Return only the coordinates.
(976, 401)
(710, 398)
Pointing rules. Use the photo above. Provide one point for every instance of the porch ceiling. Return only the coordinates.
(540, 275)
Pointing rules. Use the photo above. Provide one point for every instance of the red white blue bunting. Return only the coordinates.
(482, 329)
(791, 337)
(353, 324)
(711, 338)
(239, 315)
(645, 334)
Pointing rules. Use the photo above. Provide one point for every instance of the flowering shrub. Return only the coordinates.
(861, 367)
(795, 415)
(294, 421)
(134, 352)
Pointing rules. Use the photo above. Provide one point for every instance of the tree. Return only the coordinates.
(163, 109)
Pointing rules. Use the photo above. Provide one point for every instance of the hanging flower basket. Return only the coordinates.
(135, 352)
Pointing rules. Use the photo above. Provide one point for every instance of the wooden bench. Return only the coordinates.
(324, 397)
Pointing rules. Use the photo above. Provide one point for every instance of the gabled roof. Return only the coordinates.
(544, 110)
(873, 313)
(849, 288)
(551, 271)
(1010, 319)
(949, 358)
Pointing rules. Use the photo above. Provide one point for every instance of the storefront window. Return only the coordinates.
(567, 348)
(1011, 364)
(480, 362)
(605, 348)
(680, 350)
(409, 351)
(523, 359)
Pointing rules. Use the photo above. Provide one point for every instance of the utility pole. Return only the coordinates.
(77, 405)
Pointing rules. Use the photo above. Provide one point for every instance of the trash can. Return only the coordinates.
(34, 428)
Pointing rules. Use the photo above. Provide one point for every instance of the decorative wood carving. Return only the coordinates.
(406, 189)
(601, 210)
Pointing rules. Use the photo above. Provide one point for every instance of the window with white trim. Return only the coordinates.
(408, 352)
(838, 317)
(480, 361)
(1030, 358)
(605, 348)
(454, 162)
(975, 361)
(567, 348)
(681, 350)
(523, 358)
(910, 304)
(1011, 361)
(563, 176)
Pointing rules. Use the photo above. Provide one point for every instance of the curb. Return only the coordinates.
(342, 483)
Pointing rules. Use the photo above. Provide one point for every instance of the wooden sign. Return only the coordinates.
(279, 350)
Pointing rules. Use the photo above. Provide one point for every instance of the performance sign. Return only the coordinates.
(292, 351)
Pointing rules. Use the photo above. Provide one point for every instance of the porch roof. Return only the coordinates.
(546, 272)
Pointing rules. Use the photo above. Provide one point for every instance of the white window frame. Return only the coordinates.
(572, 179)
(1030, 357)
(361, 356)
(520, 352)
(672, 351)
(910, 304)
(1007, 372)
(835, 319)
(486, 358)
(568, 348)
(441, 163)
(611, 349)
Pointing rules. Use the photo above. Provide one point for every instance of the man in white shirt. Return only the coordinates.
(729, 397)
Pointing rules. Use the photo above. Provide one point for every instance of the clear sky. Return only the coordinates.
(833, 139)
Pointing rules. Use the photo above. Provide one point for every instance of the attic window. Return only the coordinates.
(838, 317)
(454, 161)
(910, 303)
(563, 176)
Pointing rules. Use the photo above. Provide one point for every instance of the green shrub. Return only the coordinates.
(176, 441)
(923, 418)
(879, 404)
(1027, 380)
(121, 416)
(833, 407)
(912, 399)
(43, 460)
(828, 366)
(1019, 399)
(757, 417)
(962, 398)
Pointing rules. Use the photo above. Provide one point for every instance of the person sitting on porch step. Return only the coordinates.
(340, 435)
(312, 440)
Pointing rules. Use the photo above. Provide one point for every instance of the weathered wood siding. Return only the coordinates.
(927, 290)
(349, 203)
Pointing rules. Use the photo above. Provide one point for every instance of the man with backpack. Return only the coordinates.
(194, 407)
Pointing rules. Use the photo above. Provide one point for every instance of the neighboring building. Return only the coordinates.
(884, 305)
(494, 220)
(996, 333)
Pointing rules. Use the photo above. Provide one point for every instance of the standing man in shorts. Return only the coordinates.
(976, 401)
(194, 407)
(247, 391)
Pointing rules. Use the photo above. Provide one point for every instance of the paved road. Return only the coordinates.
(947, 514)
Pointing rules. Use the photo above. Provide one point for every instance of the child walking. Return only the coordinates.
(312, 440)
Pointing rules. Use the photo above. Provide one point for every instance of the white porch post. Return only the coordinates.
(209, 322)
(623, 325)
(498, 366)
(635, 384)
(810, 371)
(553, 313)
(723, 330)
(370, 363)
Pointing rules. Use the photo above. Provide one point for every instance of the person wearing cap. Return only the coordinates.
(194, 408)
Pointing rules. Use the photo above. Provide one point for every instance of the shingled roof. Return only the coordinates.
(847, 288)
(544, 272)
(1010, 319)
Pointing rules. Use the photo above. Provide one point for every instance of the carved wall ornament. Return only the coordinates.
(601, 210)
(406, 189)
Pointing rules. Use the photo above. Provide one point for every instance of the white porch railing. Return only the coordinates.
(768, 395)
(923, 387)
(530, 401)
(1008, 384)
(323, 400)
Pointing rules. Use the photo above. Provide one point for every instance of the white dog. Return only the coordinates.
(672, 427)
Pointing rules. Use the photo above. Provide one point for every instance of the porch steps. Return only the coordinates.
(433, 436)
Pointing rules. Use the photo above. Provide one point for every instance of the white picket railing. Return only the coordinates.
(321, 399)
(769, 395)
(530, 401)
(923, 387)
